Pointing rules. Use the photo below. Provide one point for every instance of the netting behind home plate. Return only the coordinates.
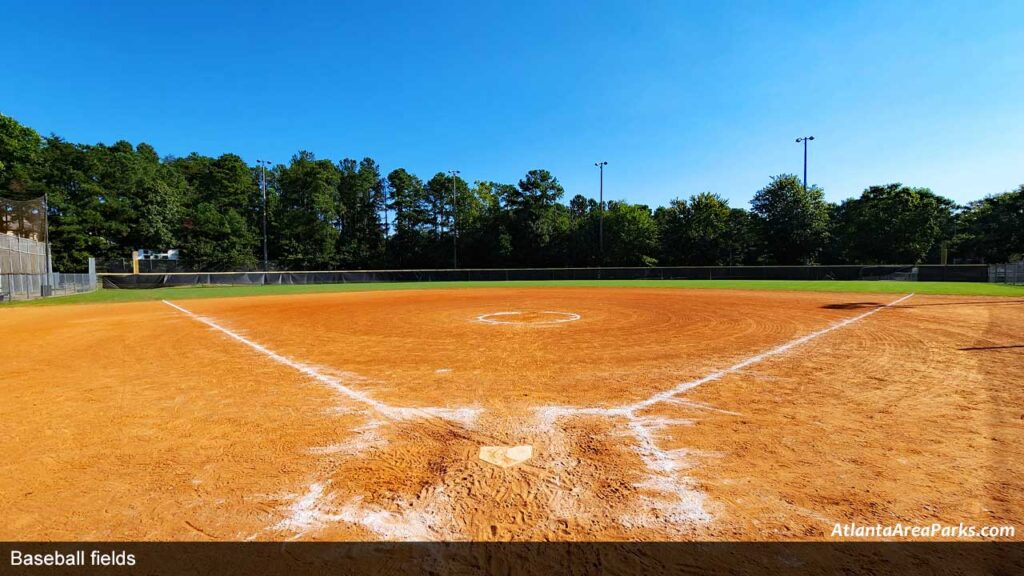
(23, 218)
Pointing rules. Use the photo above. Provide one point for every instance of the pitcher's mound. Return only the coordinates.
(505, 456)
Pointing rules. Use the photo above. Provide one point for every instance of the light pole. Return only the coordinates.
(263, 187)
(455, 222)
(804, 140)
(600, 203)
(48, 289)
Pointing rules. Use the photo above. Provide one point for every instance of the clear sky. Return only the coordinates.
(679, 97)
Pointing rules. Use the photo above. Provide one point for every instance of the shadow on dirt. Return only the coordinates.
(857, 305)
(1008, 347)
(853, 305)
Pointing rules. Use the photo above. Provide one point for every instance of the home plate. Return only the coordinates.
(505, 456)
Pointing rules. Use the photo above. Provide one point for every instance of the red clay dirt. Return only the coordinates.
(354, 416)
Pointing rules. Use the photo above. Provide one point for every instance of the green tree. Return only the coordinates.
(708, 223)
(792, 222)
(703, 231)
(360, 191)
(472, 209)
(538, 225)
(412, 219)
(631, 235)
(992, 229)
(308, 213)
(20, 166)
(538, 189)
(584, 221)
(79, 227)
(140, 199)
(441, 205)
(106, 200)
(673, 232)
(740, 239)
(20, 157)
(891, 224)
(484, 237)
(219, 230)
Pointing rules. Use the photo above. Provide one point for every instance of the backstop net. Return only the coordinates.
(23, 218)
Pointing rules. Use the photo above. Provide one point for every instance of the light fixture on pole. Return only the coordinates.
(455, 223)
(804, 140)
(600, 203)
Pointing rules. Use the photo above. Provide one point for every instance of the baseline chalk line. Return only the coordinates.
(462, 415)
(781, 349)
(663, 464)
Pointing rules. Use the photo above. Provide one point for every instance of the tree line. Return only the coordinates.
(107, 200)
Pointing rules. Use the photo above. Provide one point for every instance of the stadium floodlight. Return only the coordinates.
(263, 188)
(804, 140)
(600, 228)
(455, 222)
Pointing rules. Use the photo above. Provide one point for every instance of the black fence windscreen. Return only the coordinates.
(924, 273)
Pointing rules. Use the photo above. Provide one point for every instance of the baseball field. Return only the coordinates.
(511, 412)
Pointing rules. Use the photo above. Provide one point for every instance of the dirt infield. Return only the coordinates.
(652, 414)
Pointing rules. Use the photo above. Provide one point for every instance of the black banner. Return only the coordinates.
(378, 558)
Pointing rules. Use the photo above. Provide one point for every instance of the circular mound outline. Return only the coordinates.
(565, 317)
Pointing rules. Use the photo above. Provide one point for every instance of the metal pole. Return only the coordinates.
(46, 235)
(805, 164)
(387, 225)
(600, 227)
(455, 223)
(804, 140)
(263, 188)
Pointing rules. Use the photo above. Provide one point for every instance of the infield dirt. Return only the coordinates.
(159, 422)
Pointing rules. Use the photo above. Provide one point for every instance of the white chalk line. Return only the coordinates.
(685, 386)
(308, 512)
(561, 318)
(465, 416)
(687, 503)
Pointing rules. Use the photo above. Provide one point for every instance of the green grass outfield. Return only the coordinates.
(865, 286)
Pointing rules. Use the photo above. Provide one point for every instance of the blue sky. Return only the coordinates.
(679, 97)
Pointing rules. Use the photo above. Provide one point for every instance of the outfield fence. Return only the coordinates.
(923, 273)
(1010, 273)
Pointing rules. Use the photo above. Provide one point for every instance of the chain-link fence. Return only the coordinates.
(922, 273)
(31, 286)
(21, 255)
(1009, 273)
(23, 272)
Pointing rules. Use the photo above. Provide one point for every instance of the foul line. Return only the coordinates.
(662, 463)
(463, 415)
(628, 410)
(685, 386)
